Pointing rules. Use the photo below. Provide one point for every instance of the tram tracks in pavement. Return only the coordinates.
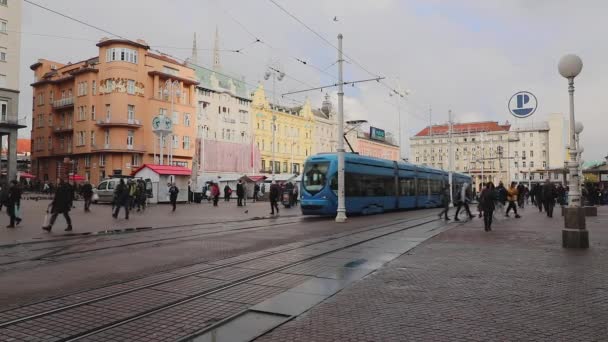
(425, 219)
(56, 251)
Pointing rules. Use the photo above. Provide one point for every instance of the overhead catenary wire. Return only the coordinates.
(393, 90)
(253, 86)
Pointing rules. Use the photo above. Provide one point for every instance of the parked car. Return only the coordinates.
(105, 189)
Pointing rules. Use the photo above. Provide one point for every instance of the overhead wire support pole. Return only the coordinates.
(339, 84)
(341, 212)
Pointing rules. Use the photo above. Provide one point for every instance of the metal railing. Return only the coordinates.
(67, 101)
(128, 122)
(118, 147)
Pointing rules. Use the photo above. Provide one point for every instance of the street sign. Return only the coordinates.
(523, 104)
(377, 133)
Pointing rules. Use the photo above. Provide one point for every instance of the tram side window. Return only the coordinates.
(407, 187)
(358, 185)
(435, 186)
(423, 186)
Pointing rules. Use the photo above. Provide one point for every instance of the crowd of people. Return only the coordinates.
(492, 198)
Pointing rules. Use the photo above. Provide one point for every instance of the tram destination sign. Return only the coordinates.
(377, 134)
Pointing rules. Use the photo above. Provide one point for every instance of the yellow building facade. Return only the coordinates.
(293, 137)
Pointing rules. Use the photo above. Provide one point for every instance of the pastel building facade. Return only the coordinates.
(94, 117)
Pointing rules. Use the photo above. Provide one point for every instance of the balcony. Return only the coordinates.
(11, 123)
(63, 103)
(118, 148)
(133, 123)
(60, 151)
(63, 129)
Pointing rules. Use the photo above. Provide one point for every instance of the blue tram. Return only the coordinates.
(372, 185)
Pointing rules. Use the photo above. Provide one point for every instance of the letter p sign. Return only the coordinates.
(523, 104)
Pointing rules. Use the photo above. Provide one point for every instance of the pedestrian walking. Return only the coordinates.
(141, 195)
(463, 201)
(121, 199)
(549, 195)
(512, 196)
(61, 204)
(256, 190)
(487, 198)
(173, 191)
(227, 193)
(13, 203)
(240, 193)
(274, 197)
(86, 191)
(445, 202)
(190, 193)
(215, 193)
(295, 195)
(501, 196)
(521, 194)
(4, 196)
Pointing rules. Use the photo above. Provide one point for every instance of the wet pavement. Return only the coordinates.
(515, 283)
(230, 294)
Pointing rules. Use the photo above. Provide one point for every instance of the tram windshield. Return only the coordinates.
(315, 177)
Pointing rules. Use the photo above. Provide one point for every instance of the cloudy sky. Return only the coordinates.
(469, 56)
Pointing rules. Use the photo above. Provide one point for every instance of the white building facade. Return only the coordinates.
(326, 127)
(489, 151)
(10, 56)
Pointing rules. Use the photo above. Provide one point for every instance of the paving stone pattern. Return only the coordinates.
(515, 283)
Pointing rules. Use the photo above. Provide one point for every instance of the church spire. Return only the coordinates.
(216, 50)
(194, 57)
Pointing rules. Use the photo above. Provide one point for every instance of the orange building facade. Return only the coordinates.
(94, 118)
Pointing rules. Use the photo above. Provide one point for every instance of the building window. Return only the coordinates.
(284, 166)
(81, 115)
(102, 160)
(186, 119)
(107, 136)
(50, 120)
(175, 118)
(186, 143)
(531, 154)
(516, 164)
(523, 164)
(108, 112)
(135, 160)
(531, 163)
(94, 87)
(92, 138)
(130, 87)
(4, 111)
(130, 134)
(50, 143)
(81, 138)
(130, 112)
(542, 176)
(87, 160)
(93, 112)
(175, 141)
(40, 99)
(3, 55)
(516, 176)
(555, 176)
(121, 54)
(544, 164)
(544, 153)
(4, 2)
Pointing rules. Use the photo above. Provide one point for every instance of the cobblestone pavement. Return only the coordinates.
(515, 283)
(99, 218)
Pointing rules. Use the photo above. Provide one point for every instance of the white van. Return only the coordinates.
(105, 189)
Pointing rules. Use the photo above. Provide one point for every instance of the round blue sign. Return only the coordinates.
(523, 104)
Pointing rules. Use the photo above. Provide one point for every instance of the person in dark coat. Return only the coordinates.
(227, 193)
(256, 190)
(215, 193)
(240, 193)
(445, 202)
(13, 202)
(521, 195)
(61, 204)
(486, 203)
(121, 198)
(464, 197)
(549, 195)
(274, 198)
(87, 194)
(173, 191)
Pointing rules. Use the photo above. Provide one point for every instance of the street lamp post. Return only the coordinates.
(574, 234)
(276, 75)
(341, 211)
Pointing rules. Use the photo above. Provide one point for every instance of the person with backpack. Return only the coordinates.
(486, 203)
(86, 191)
(274, 197)
(445, 202)
(61, 204)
